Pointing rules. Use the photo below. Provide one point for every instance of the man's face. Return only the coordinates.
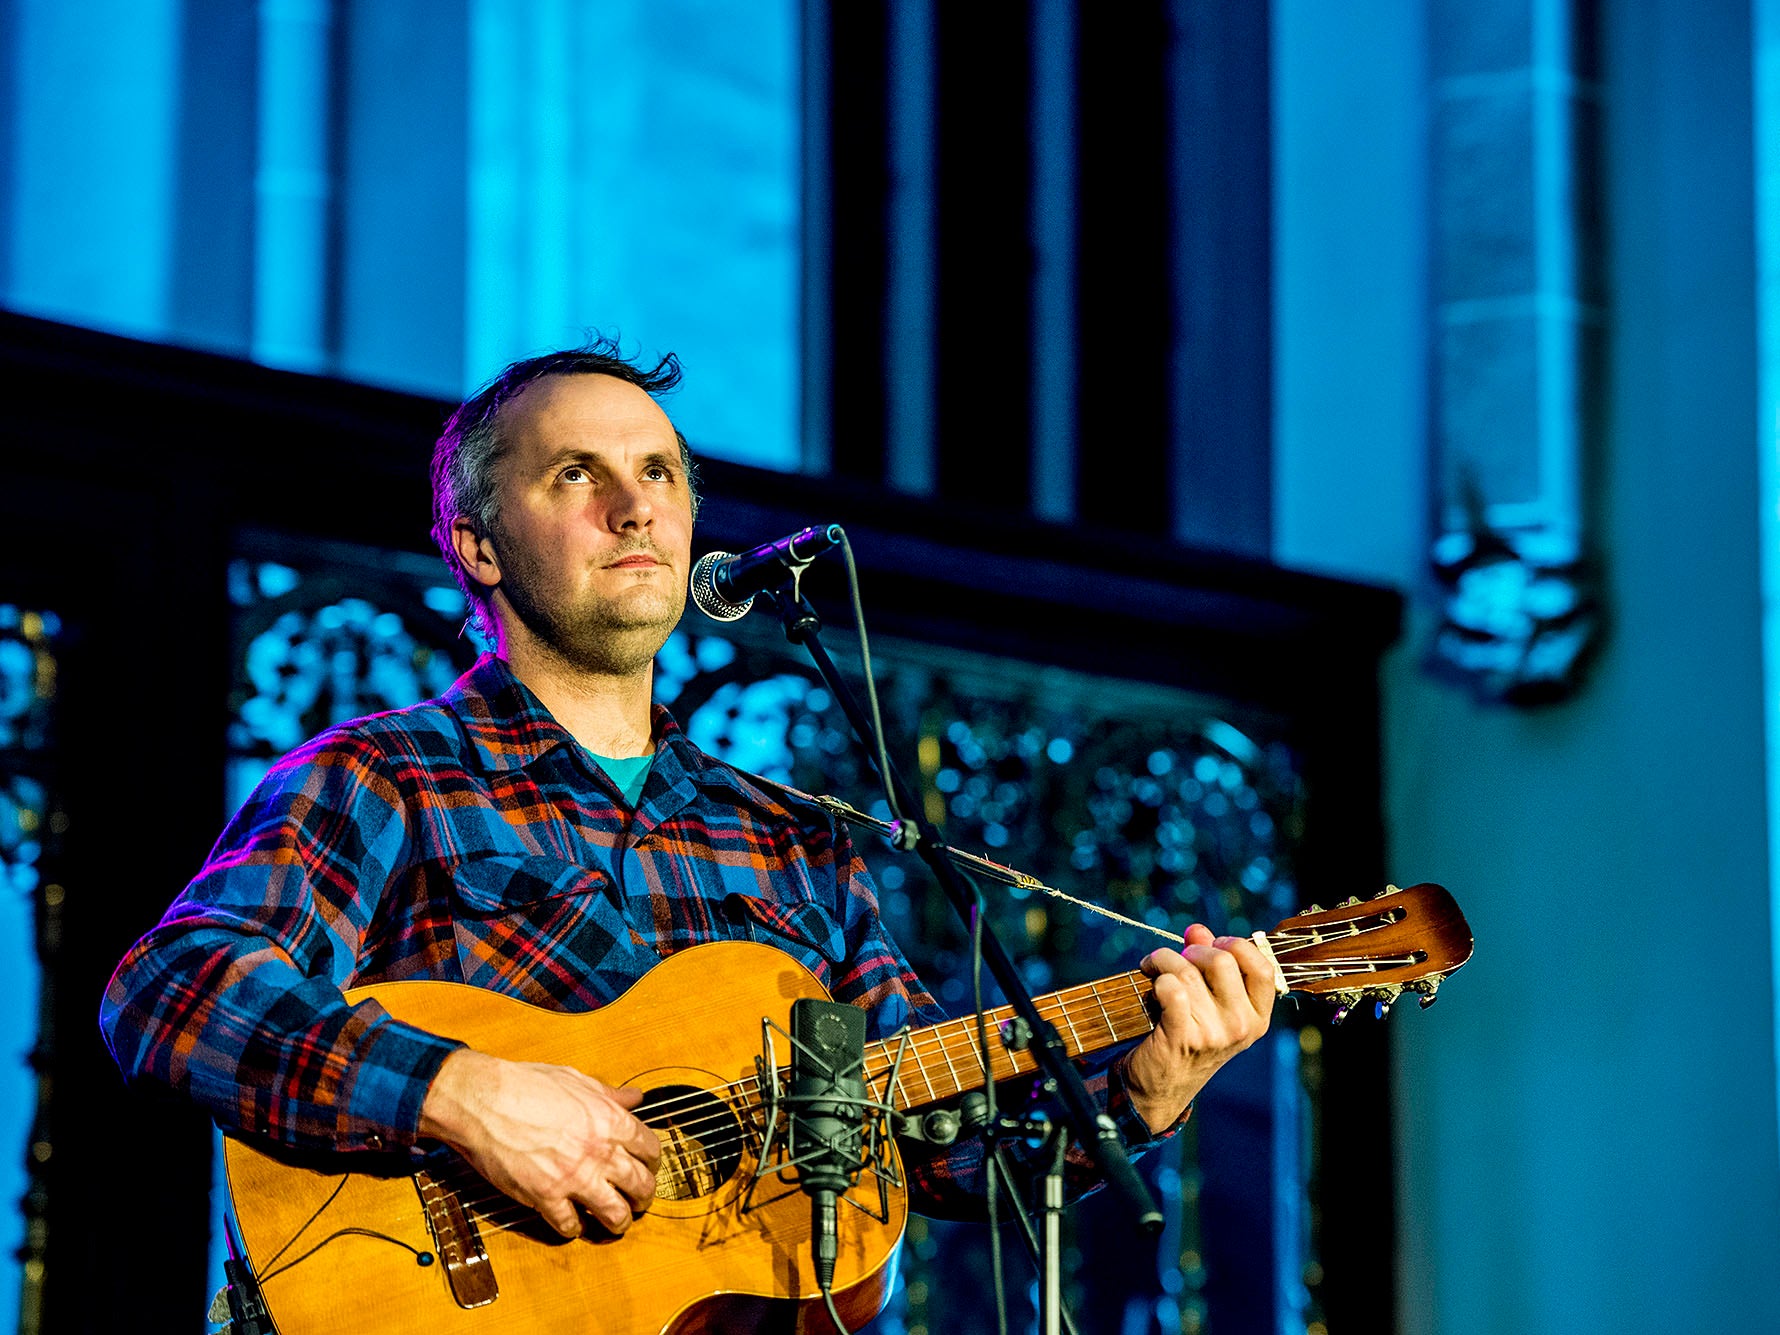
(593, 542)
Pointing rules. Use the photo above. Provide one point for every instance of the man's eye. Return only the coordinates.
(661, 472)
(576, 474)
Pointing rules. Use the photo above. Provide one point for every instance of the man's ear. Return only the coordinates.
(476, 552)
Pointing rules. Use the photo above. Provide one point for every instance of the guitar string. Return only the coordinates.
(1063, 999)
(1281, 941)
(1061, 1004)
(877, 1064)
(943, 1046)
(1065, 1006)
(733, 1115)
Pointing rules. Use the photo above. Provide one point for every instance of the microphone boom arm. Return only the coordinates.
(1098, 1135)
(995, 871)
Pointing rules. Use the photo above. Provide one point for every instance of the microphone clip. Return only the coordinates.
(778, 1107)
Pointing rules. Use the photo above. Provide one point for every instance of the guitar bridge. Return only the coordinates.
(459, 1241)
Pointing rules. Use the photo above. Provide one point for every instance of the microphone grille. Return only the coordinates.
(704, 591)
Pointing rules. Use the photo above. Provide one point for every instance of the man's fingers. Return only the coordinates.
(563, 1217)
(635, 1179)
(1185, 982)
(643, 1143)
(1222, 975)
(601, 1200)
(1229, 976)
(1257, 974)
(1159, 962)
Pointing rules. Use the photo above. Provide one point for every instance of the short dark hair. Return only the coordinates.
(471, 444)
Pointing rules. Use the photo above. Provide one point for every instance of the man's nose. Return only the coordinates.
(631, 506)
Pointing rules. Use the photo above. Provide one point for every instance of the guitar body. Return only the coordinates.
(704, 1257)
(381, 1242)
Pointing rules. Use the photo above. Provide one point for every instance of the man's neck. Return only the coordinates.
(608, 714)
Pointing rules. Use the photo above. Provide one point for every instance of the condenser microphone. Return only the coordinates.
(826, 1114)
(724, 584)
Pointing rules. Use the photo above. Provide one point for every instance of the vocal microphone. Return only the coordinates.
(826, 1113)
(724, 585)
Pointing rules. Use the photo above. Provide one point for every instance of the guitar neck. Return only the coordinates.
(945, 1060)
(1376, 949)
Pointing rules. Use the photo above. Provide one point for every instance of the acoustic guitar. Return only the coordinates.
(400, 1246)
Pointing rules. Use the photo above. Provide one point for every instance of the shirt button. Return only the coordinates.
(373, 1141)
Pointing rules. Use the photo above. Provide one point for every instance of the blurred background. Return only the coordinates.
(1291, 447)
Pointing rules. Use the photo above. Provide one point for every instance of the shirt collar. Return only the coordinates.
(508, 727)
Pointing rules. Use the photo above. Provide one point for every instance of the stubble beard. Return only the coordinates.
(617, 637)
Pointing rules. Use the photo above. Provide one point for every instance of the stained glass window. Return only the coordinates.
(325, 635)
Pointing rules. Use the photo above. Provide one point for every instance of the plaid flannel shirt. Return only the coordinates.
(469, 839)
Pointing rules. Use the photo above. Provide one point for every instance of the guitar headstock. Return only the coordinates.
(1374, 949)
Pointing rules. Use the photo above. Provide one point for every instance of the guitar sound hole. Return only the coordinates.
(701, 1140)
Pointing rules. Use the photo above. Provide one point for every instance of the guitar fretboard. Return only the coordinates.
(945, 1060)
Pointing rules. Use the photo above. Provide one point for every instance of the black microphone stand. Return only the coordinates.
(1092, 1128)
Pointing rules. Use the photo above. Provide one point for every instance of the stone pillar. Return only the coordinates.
(1518, 308)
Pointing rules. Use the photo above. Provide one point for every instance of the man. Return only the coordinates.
(542, 830)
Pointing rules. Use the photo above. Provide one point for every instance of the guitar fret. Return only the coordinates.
(1112, 1030)
(879, 1061)
(921, 1066)
(1143, 1002)
(967, 1029)
(992, 1023)
(1063, 1012)
(1013, 1057)
(945, 1052)
(911, 1055)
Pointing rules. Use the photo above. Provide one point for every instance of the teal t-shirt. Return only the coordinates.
(629, 773)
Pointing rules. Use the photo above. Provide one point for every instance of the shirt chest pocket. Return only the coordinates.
(806, 931)
(543, 929)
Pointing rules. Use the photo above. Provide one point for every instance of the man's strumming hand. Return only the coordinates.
(549, 1136)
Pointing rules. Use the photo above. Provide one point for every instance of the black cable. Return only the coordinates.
(989, 1197)
(834, 1316)
(881, 757)
(871, 689)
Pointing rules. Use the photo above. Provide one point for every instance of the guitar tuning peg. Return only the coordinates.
(1428, 987)
(1350, 901)
(1427, 1000)
(1314, 908)
(1345, 1002)
(1382, 1008)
